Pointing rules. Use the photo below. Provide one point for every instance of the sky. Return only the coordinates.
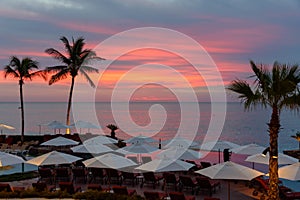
(231, 32)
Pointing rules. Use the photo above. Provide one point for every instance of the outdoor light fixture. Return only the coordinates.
(274, 153)
(264, 153)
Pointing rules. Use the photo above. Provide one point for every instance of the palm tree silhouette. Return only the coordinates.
(75, 60)
(22, 70)
(112, 128)
(276, 89)
(297, 137)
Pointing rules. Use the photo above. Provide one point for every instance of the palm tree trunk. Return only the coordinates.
(70, 104)
(22, 111)
(274, 125)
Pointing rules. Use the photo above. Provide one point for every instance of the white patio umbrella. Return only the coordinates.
(57, 125)
(53, 158)
(290, 172)
(5, 126)
(101, 139)
(179, 141)
(178, 152)
(282, 159)
(83, 124)
(229, 171)
(249, 149)
(165, 164)
(60, 141)
(7, 159)
(140, 139)
(218, 146)
(91, 148)
(137, 148)
(109, 160)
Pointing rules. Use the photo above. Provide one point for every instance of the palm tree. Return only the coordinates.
(297, 137)
(22, 70)
(112, 128)
(276, 89)
(75, 60)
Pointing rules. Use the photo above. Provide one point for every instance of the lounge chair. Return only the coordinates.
(98, 187)
(129, 177)
(114, 176)
(208, 185)
(154, 195)
(42, 186)
(122, 190)
(69, 187)
(291, 195)
(150, 178)
(79, 173)
(170, 180)
(46, 175)
(62, 174)
(188, 183)
(180, 196)
(97, 173)
(5, 187)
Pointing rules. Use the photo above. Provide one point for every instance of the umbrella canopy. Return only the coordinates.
(137, 148)
(229, 170)
(249, 149)
(57, 125)
(178, 141)
(53, 158)
(100, 140)
(5, 126)
(219, 145)
(165, 164)
(109, 160)
(91, 148)
(282, 159)
(60, 141)
(178, 152)
(9, 159)
(140, 139)
(290, 172)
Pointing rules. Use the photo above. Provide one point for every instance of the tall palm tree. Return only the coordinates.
(276, 89)
(22, 70)
(297, 137)
(75, 60)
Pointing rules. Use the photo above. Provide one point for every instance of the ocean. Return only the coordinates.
(160, 120)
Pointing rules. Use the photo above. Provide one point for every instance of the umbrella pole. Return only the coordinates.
(219, 156)
(228, 190)
(252, 165)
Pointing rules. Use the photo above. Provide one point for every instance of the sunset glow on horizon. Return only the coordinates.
(231, 34)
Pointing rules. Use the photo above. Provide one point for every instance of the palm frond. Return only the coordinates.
(63, 74)
(57, 55)
(67, 44)
(10, 72)
(246, 94)
(89, 69)
(86, 76)
(56, 68)
(40, 73)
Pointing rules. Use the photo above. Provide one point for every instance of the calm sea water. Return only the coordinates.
(240, 126)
